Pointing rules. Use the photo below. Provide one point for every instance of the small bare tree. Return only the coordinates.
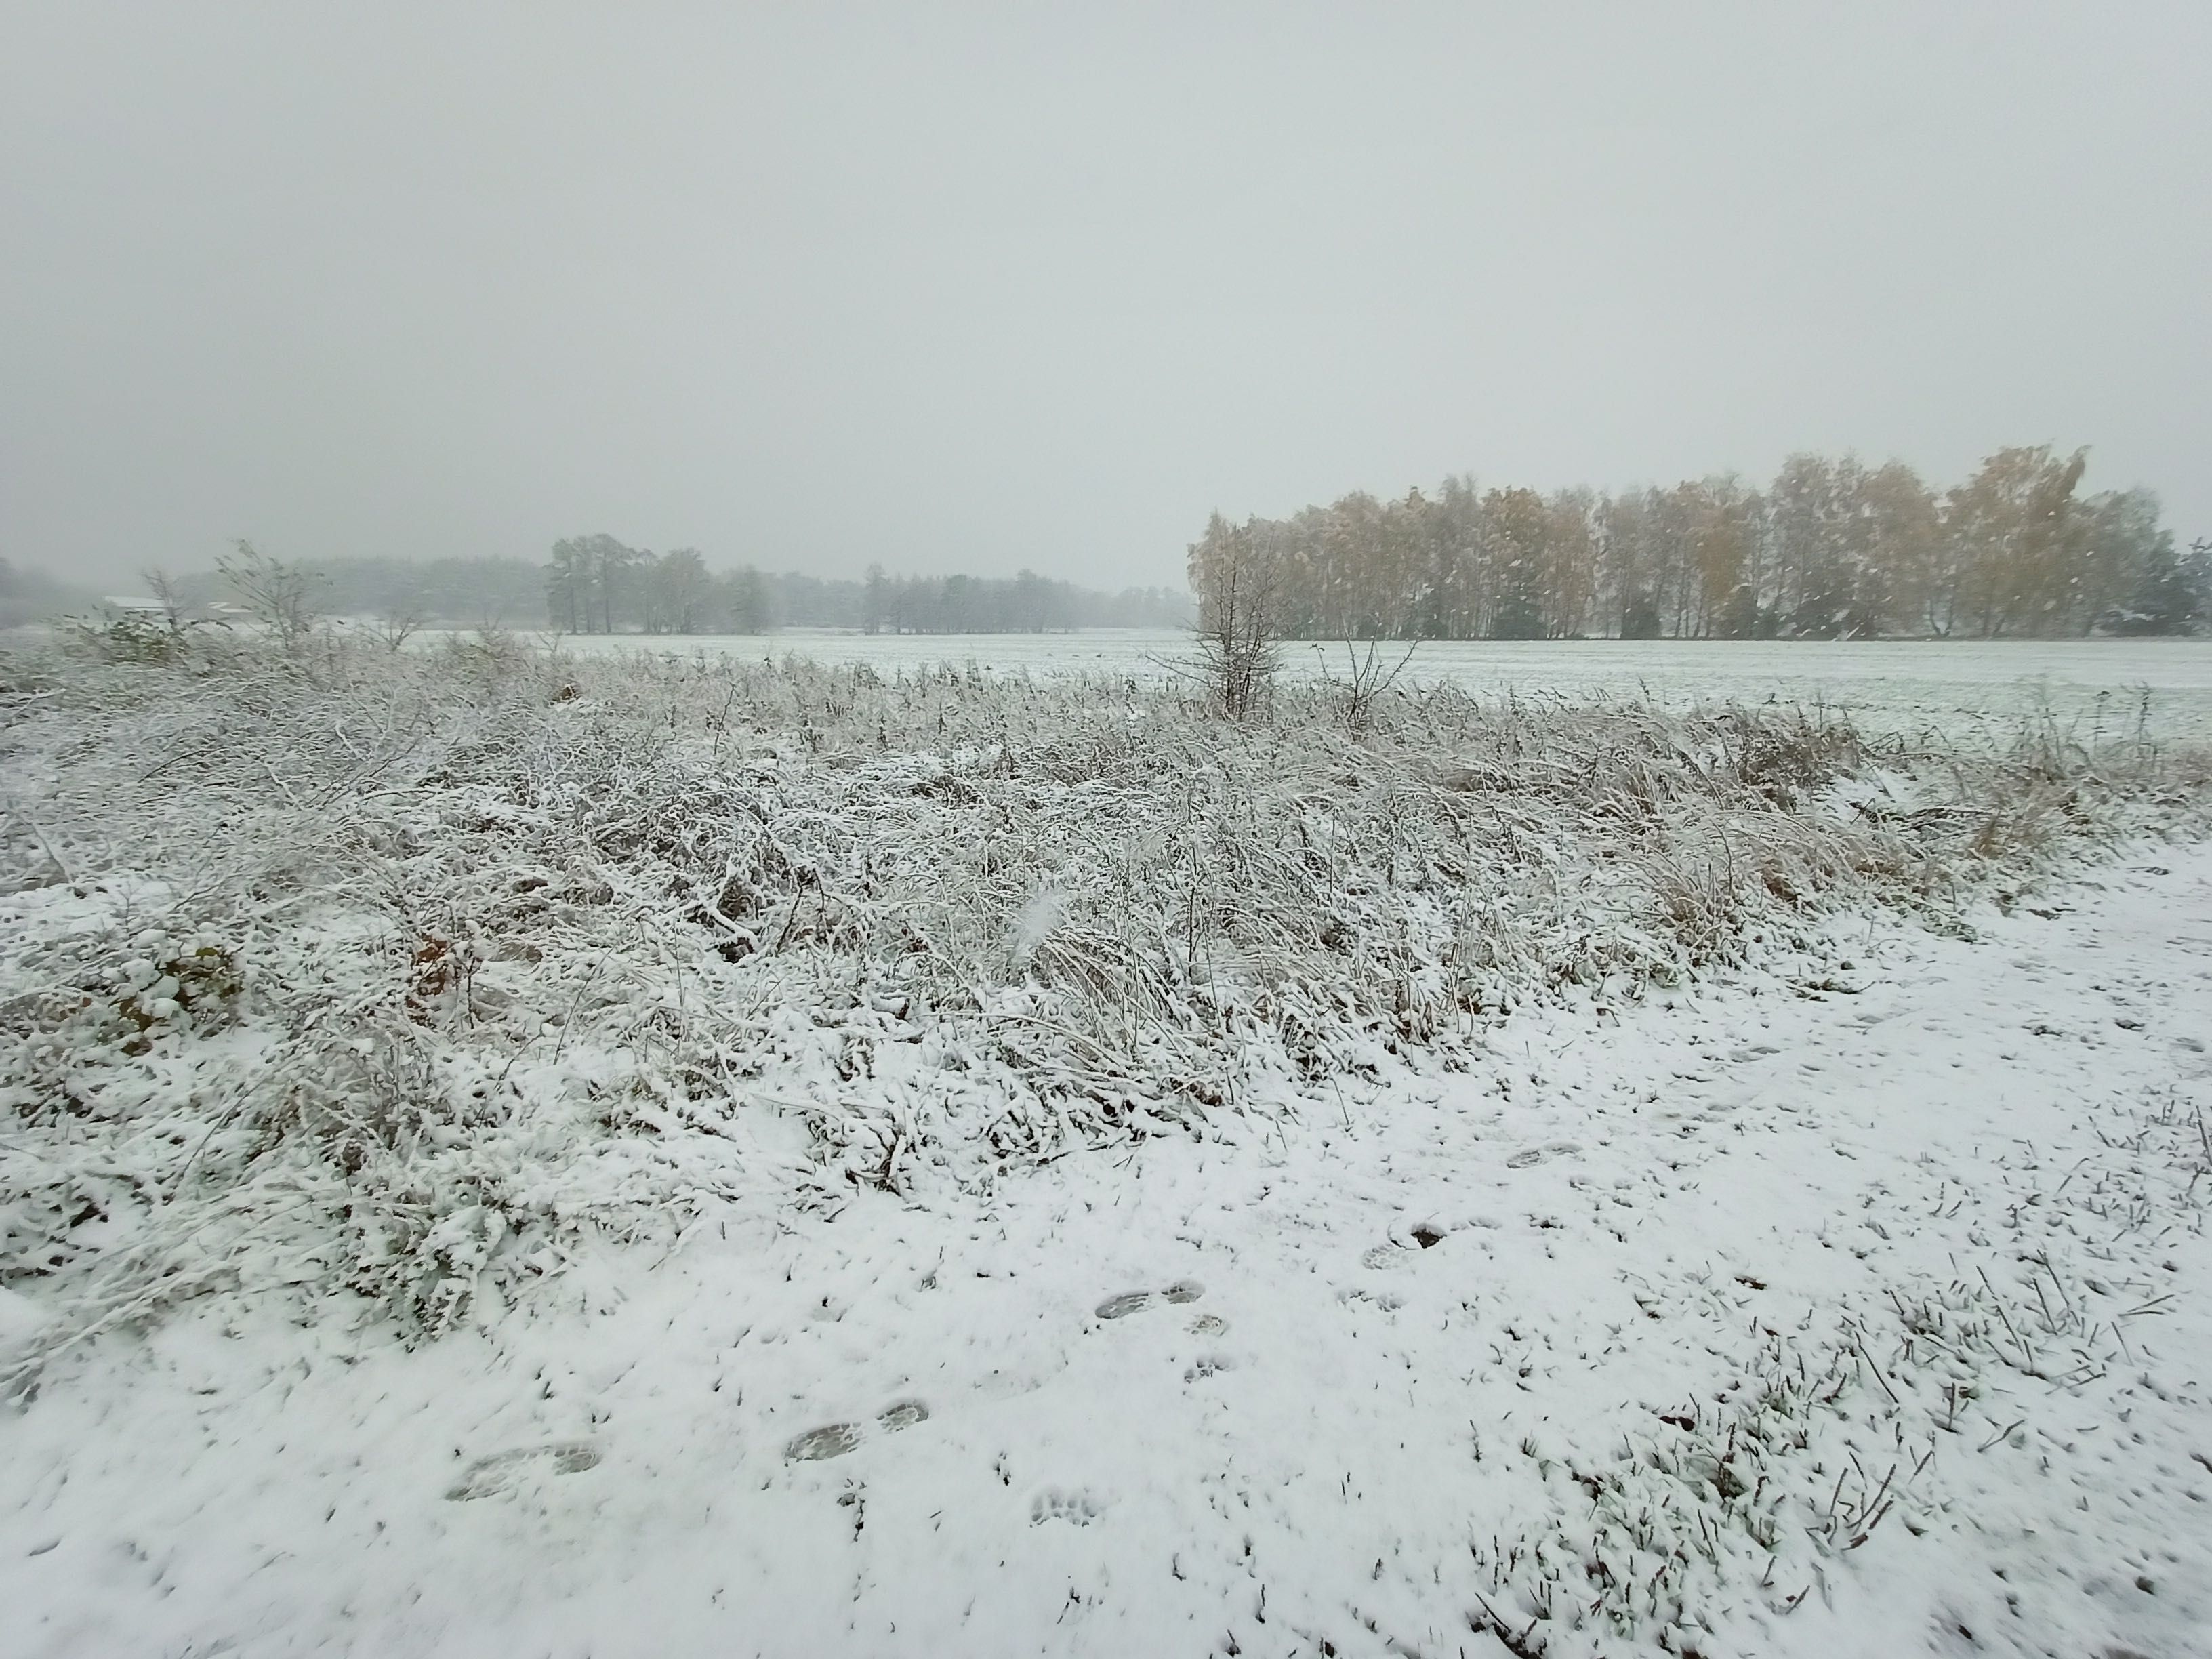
(1235, 577)
(176, 609)
(395, 623)
(278, 595)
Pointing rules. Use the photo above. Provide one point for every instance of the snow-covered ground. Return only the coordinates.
(1951, 686)
(1855, 1307)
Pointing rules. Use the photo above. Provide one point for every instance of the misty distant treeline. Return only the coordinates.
(596, 585)
(26, 596)
(1832, 549)
(1025, 602)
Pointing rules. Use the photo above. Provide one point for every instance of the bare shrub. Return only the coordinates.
(177, 608)
(278, 596)
(1235, 578)
(1368, 677)
(397, 624)
(127, 636)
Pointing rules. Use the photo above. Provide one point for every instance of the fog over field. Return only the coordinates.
(815, 287)
(1303, 831)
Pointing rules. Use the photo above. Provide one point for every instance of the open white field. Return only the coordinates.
(1901, 1271)
(1895, 684)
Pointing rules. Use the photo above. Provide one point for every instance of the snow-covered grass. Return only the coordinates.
(351, 968)
(1353, 1382)
(396, 990)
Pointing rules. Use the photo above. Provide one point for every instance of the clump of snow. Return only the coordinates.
(1036, 922)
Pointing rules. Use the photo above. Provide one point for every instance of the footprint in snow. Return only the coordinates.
(502, 1471)
(1207, 1324)
(1076, 1508)
(1528, 1155)
(1427, 1236)
(835, 1439)
(1129, 1301)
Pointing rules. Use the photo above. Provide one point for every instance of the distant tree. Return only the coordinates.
(1716, 513)
(2008, 531)
(1033, 607)
(1623, 560)
(568, 588)
(1671, 520)
(1452, 589)
(1236, 580)
(877, 610)
(1811, 571)
(681, 588)
(1570, 575)
(743, 600)
(278, 595)
(1901, 533)
(587, 572)
(2120, 567)
(954, 604)
(1518, 529)
(616, 563)
(2173, 592)
(1740, 618)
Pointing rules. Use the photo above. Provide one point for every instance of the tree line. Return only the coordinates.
(1832, 549)
(597, 585)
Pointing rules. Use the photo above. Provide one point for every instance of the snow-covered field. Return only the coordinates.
(1529, 1182)
(1887, 684)
(1374, 1362)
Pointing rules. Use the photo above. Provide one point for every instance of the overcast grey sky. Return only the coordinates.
(959, 287)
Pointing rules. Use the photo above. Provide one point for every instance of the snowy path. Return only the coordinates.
(1297, 1393)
